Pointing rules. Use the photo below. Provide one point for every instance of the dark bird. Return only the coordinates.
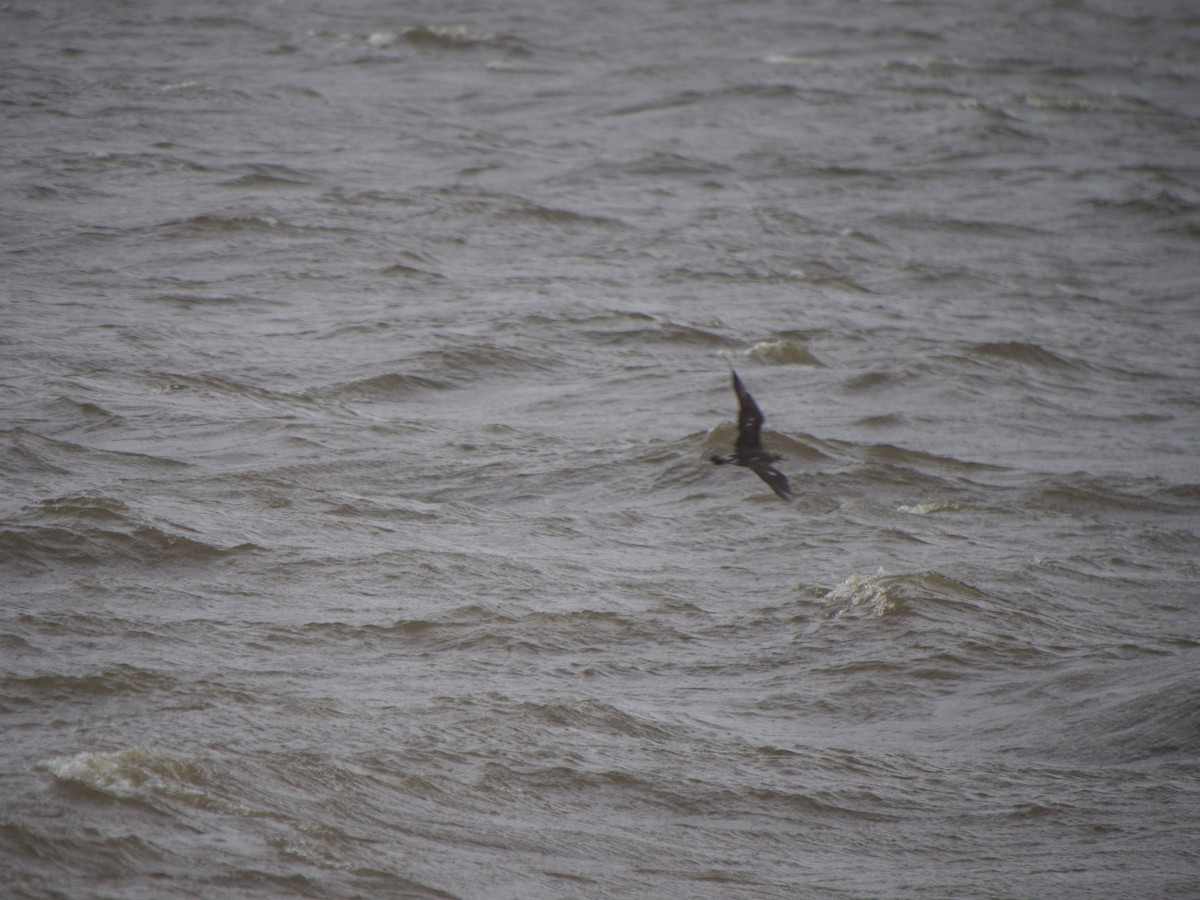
(748, 451)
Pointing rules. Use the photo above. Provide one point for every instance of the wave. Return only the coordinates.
(1025, 354)
(1081, 492)
(783, 800)
(920, 221)
(875, 380)
(404, 270)
(230, 224)
(1155, 715)
(1137, 706)
(45, 547)
(1091, 103)
(737, 272)
(509, 627)
(83, 415)
(485, 359)
(72, 855)
(876, 595)
(185, 300)
(260, 175)
(511, 210)
(917, 460)
(134, 774)
(442, 369)
(87, 689)
(656, 165)
(214, 385)
(783, 352)
(385, 387)
(26, 452)
(1187, 493)
(883, 420)
(932, 507)
(90, 528)
(1163, 203)
(445, 37)
(595, 716)
(739, 94)
(632, 328)
(955, 625)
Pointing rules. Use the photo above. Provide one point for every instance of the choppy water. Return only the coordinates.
(360, 365)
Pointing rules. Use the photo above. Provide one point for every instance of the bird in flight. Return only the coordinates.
(748, 451)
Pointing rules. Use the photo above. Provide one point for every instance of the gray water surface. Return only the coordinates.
(359, 368)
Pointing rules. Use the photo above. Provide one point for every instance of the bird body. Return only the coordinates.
(748, 450)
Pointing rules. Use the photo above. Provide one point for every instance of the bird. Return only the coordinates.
(748, 451)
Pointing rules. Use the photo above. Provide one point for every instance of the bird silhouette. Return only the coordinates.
(748, 450)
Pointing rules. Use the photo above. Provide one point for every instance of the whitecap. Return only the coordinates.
(930, 507)
(130, 773)
(869, 592)
(784, 352)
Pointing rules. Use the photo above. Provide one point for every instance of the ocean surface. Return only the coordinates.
(360, 363)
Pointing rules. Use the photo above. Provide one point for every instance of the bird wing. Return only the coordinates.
(750, 420)
(776, 479)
